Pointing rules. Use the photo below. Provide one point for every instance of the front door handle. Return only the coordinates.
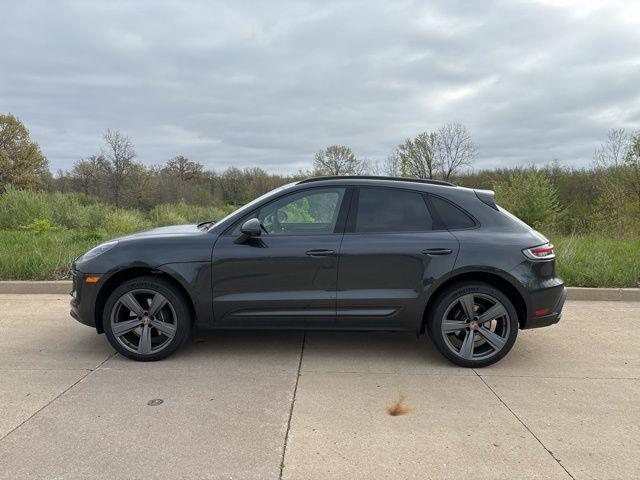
(437, 251)
(320, 253)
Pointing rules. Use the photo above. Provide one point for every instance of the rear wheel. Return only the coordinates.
(146, 319)
(473, 324)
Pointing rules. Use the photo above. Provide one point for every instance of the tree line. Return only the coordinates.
(602, 198)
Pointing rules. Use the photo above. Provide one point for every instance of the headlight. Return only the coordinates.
(95, 251)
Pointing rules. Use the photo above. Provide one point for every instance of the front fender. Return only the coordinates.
(195, 278)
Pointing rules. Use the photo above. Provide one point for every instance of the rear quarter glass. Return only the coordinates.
(453, 217)
(539, 238)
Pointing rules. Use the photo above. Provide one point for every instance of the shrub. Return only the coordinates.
(39, 225)
(178, 213)
(166, 214)
(531, 196)
(27, 209)
(62, 210)
(66, 210)
(22, 207)
(119, 221)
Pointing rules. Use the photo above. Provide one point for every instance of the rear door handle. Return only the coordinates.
(320, 253)
(437, 251)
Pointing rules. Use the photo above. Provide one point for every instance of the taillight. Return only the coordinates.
(541, 252)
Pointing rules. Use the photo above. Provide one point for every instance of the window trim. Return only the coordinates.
(340, 222)
(350, 227)
(441, 223)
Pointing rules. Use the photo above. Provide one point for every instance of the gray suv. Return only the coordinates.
(338, 253)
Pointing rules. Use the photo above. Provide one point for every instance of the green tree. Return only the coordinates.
(338, 160)
(21, 161)
(139, 188)
(417, 157)
(89, 174)
(531, 196)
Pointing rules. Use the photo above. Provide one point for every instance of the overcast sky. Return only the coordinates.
(265, 83)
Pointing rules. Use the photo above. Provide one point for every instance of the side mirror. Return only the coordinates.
(250, 228)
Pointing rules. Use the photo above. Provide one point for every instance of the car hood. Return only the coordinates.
(171, 230)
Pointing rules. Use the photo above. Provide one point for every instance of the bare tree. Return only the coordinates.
(183, 168)
(233, 185)
(390, 166)
(455, 149)
(119, 155)
(632, 162)
(380, 167)
(613, 152)
(614, 159)
(338, 160)
(418, 157)
(180, 176)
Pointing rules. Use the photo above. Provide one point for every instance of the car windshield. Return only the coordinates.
(248, 206)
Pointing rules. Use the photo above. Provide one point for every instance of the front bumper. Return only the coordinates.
(83, 298)
(555, 296)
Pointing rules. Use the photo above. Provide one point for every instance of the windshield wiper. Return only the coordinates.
(206, 225)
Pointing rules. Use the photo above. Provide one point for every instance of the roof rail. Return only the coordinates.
(374, 177)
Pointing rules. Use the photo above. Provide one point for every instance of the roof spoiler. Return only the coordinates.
(486, 196)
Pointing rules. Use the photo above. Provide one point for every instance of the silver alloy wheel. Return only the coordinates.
(143, 321)
(476, 326)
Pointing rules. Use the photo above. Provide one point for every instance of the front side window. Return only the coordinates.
(309, 212)
(387, 210)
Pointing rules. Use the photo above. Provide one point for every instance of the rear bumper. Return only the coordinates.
(554, 296)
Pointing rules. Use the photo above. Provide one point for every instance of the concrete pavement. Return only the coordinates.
(243, 405)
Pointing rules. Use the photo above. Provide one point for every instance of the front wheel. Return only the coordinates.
(473, 324)
(146, 319)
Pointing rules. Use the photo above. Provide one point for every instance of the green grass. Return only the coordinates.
(42, 232)
(28, 255)
(582, 261)
(43, 211)
(592, 261)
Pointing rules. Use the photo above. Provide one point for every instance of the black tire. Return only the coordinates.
(483, 348)
(169, 328)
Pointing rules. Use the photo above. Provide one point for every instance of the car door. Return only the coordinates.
(391, 253)
(287, 276)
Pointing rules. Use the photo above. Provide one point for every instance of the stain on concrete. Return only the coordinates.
(399, 408)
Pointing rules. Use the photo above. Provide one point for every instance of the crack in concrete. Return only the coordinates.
(89, 372)
(524, 425)
(293, 401)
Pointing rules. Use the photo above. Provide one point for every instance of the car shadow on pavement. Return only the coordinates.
(279, 351)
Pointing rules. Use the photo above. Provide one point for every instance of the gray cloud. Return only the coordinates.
(270, 83)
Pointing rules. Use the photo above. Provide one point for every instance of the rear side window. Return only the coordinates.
(452, 216)
(386, 210)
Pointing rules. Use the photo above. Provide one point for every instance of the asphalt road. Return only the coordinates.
(565, 403)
